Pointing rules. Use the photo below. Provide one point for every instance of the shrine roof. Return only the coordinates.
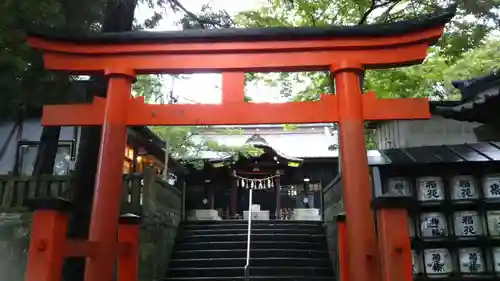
(468, 152)
(302, 143)
(480, 100)
(250, 34)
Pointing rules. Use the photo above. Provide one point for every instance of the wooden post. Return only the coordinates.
(47, 241)
(357, 194)
(394, 246)
(211, 195)
(128, 260)
(106, 203)
(234, 197)
(277, 191)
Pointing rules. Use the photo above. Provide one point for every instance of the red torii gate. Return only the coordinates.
(344, 51)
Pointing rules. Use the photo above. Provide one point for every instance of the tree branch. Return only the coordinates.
(387, 12)
(176, 4)
(373, 7)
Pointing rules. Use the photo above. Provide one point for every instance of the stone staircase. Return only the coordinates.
(281, 250)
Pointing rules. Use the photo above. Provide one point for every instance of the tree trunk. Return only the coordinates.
(46, 155)
(49, 139)
(119, 17)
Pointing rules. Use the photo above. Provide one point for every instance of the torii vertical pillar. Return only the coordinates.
(106, 206)
(357, 195)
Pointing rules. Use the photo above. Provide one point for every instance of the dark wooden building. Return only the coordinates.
(282, 183)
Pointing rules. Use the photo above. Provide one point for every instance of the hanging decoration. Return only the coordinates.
(255, 184)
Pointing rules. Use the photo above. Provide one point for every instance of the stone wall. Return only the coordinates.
(161, 211)
(14, 241)
(333, 206)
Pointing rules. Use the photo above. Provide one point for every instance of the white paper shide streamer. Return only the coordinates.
(255, 184)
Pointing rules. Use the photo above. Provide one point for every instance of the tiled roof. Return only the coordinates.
(292, 144)
(469, 152)
(480, 100)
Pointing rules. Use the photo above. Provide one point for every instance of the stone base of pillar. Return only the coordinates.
(306, 215)
(257, 215)
(203, 215)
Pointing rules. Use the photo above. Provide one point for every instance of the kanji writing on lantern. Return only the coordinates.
(465, 189)
(469, 226)
(495, 189)
(473, 264)
(434, 224)
(464, 183)
(436, 264)
(431, 190)
(399, 188)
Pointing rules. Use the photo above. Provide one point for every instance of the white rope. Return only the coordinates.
(249, 183)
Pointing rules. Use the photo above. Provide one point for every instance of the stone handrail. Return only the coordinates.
(333, 206)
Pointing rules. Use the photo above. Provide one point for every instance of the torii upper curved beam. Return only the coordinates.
(233, 49)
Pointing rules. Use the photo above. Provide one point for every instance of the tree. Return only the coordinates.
(24, 84)
(431, 79)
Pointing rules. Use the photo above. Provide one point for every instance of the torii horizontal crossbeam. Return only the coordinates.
(235, 113)
(249, 50)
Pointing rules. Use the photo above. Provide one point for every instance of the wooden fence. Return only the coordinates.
(16, 190)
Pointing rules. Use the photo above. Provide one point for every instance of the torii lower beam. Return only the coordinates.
(235, 113)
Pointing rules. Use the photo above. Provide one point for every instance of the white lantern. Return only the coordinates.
(493, 220)
(463, 188)
(400, 186)
(491, 186)
(430, 189)
(433, 225)
(437, 262)
(471, 260)
(496, 259)
(467, 223)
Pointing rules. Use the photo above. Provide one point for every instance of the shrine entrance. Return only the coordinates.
(221, 189)
(343, 51)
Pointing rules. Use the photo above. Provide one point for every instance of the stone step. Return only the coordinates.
(238, 245)
(303, 237)
(239, 262)
(256, 253)
(256, 278)
(267, 230)
(280, 250)
(254, 271)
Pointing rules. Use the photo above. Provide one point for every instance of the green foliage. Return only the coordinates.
(205, 19)
(187, 143)
(148, 86)
(468, 31)
(19, 67)
(465, 50)
(476, 62)
(289, 127)
(24, 84)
